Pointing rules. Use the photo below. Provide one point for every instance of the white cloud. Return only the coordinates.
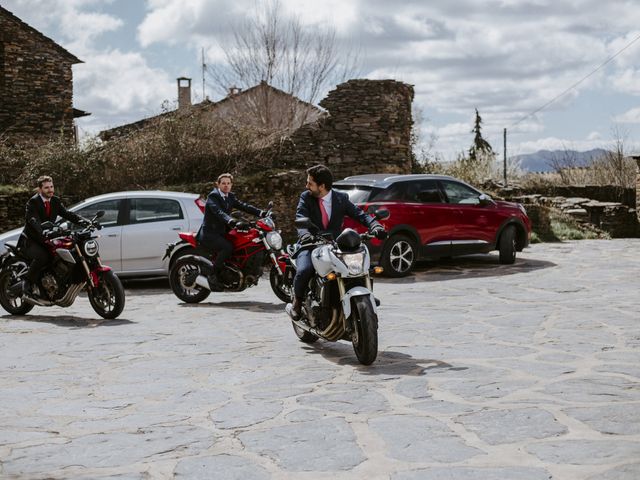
(630, 116)
(118, 82)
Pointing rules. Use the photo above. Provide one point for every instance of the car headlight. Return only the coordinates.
(354, 262)
(274, 240)
(91, 248)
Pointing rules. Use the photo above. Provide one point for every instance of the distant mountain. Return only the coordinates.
(543, 160)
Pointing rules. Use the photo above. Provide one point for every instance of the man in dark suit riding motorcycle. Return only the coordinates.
(326, 208)
(44, 206)
(218, 220)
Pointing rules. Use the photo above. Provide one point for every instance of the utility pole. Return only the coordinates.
(204, 66)
(505, 157)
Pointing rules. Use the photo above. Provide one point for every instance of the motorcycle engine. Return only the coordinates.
(50, 284)
(231, 278)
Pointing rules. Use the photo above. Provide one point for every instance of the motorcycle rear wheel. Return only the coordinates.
(283, 292)
(365, 335)
(13, 304)
(107, 299)
(182, 278)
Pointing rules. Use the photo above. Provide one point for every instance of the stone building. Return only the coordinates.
(260, 107)
(367, 130)
(36, 84)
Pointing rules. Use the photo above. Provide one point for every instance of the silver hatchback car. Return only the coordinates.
(137, 226)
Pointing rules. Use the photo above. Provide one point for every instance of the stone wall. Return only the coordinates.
(367, 131)
(36, 87)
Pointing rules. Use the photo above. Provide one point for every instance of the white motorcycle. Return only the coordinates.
(339, 303)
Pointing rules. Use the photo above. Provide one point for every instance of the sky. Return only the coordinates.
(506, 58)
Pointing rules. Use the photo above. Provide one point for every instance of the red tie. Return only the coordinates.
(47, 208)
(325, 217)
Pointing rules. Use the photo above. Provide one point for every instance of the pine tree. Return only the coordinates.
(480, 145)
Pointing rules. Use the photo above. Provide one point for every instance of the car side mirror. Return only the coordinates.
(381, 214)
(304, 222)
(484, 199)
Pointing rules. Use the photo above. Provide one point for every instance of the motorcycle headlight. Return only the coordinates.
(354, 262)
(274, 240)
(91, 248)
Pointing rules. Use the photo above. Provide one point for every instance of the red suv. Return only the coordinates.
(435, 216)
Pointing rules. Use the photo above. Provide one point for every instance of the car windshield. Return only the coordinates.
(357, 193)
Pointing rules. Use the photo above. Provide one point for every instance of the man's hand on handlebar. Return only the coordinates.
(378, 231)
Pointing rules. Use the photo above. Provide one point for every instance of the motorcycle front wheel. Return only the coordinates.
(365, 332)
(12, 302)
(182, 279)
(278, 284)
(107, 299)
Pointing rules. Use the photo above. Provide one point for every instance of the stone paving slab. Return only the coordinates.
(485, 372)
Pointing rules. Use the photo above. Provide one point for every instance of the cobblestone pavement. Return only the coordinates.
(485, 372)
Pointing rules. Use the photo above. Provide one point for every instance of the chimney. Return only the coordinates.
(184, 92)
(233, 90)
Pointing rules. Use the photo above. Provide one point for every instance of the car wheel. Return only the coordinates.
(507, 246)
(399, 256)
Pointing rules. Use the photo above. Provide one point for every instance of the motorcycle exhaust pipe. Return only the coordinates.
(38, 303)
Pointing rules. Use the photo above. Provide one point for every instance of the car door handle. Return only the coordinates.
(112, 235)
(176, 228)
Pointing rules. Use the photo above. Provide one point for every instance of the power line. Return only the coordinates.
(577, 83)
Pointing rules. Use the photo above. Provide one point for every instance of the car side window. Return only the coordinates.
(426, 191)
(395, 192)
(145, 210)
(111, 209)
(460, 194)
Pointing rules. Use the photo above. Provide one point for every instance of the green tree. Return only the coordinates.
(480, 145)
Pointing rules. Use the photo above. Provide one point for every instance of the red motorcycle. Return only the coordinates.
(254, 245)
(75, 266)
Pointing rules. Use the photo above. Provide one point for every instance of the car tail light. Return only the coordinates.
(201, 204)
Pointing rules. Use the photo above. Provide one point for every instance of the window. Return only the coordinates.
(111, 209)
(425, 191)
(460, 193)
(393, 193)
(154, 210)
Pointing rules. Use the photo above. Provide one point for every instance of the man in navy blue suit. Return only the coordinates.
(217, 221)
(326, 208)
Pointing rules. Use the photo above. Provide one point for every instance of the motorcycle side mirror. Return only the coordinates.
(270, 204)
(381, 214)
(304, 222)
(99, 214)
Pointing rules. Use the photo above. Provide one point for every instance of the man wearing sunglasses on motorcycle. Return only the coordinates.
(326, 208)
(218, 220)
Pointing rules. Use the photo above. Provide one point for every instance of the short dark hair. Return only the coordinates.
(44, 179)
(321, 175)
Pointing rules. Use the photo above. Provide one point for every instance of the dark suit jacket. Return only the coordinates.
(35, 215)
(217, 213)
(309, 207)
